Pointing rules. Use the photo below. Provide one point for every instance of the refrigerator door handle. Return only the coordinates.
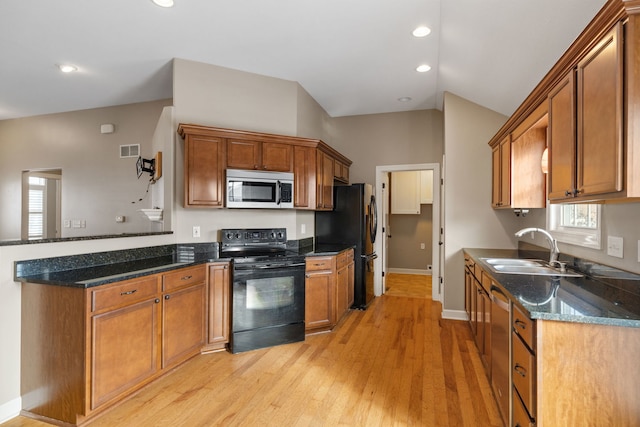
(369, 257)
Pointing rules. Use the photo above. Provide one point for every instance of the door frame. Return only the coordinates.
(381, 242)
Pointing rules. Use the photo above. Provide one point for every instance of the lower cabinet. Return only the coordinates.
(328, 290)
(219, 300)
(86, 349)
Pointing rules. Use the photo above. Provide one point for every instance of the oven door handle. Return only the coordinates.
(268, 267)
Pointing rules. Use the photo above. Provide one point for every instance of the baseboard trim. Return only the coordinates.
(409, 271)
(454, 315)
(10, 409)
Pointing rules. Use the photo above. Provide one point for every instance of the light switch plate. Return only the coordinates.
(614, 246)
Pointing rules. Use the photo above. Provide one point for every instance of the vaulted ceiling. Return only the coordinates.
(353, 56)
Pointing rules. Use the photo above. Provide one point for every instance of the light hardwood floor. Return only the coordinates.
(395, 364)
(408, 285)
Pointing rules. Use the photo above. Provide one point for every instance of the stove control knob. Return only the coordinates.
(229, 236)
(238, 235)
(272, 235)
(280, 234)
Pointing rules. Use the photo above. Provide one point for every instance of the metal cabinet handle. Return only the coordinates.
(156, 301)
(520, 370)
(522, 325)
(167, 296)
(186, 277)
(129, 292)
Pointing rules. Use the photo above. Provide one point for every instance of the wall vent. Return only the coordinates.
(132, 150)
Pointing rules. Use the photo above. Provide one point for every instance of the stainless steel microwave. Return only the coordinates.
(259, 189)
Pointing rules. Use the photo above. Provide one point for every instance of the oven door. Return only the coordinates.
(268, 305)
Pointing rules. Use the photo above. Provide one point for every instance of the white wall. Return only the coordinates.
(469, 220)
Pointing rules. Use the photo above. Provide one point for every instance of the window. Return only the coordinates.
(36, 207)
(576, 224)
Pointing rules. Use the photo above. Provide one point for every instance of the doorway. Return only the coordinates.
(41, 204)
(382, 194)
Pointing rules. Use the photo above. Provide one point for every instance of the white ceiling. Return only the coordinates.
(353, 56)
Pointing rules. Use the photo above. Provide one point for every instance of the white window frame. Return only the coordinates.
(585, 237)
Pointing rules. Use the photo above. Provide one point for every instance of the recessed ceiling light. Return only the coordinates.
(67, 68)
(423, 68)
(422, 31)
(404, 99)
(163, 3)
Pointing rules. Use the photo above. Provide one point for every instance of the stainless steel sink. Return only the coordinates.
(526, 266)
(513, 261)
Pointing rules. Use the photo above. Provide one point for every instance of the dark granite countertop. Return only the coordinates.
(94, 269)
(604, 295)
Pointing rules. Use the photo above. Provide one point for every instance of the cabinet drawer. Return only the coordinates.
(124, 293)
(320, 263)
(523, 326)
(520, 415)
(183, 277)
(342, 260)
(524, 372)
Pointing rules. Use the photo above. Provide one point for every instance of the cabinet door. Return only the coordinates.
(277, 157)
(405, 192)
(219, 297)
(243, 154)
(351, 269)
(342, 289)
(501, 174)
(600, 93)
(324, 181)
(486, 329)
(204, 171)
(562, 137)
(528, 182)
(304, 177)
(319, 300)
(124, 346)
(183, 324)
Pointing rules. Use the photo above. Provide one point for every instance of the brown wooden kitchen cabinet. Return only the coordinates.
(586, 125)
(257, 155)
(210, 151)
(501, 173)
(324, 181)
(320, 293)
(204, 165)
(183, 314)
(328, 290)
(304, 177)
(87, 349)
(478, 308)
(219, 299)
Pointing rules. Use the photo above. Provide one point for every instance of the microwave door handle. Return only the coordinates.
(278, 193)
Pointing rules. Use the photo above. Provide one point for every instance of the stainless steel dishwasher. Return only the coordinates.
(500, 350)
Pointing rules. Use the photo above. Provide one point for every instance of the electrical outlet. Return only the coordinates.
(120, 218)
(638, 250)
(303, 228)
(196, 231)
(614, 246)
(422, 246)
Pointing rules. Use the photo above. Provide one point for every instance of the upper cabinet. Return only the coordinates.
(204, 156)
(593, 98)
(210, 151)
(409, 190)
(268, 156)
(586, 111)
(518, 180)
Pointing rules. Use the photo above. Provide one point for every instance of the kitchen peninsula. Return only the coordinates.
(98, 327)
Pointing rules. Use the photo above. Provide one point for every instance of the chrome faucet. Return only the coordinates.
(553, 244)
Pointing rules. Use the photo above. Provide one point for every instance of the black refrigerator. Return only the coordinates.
(353, 221)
